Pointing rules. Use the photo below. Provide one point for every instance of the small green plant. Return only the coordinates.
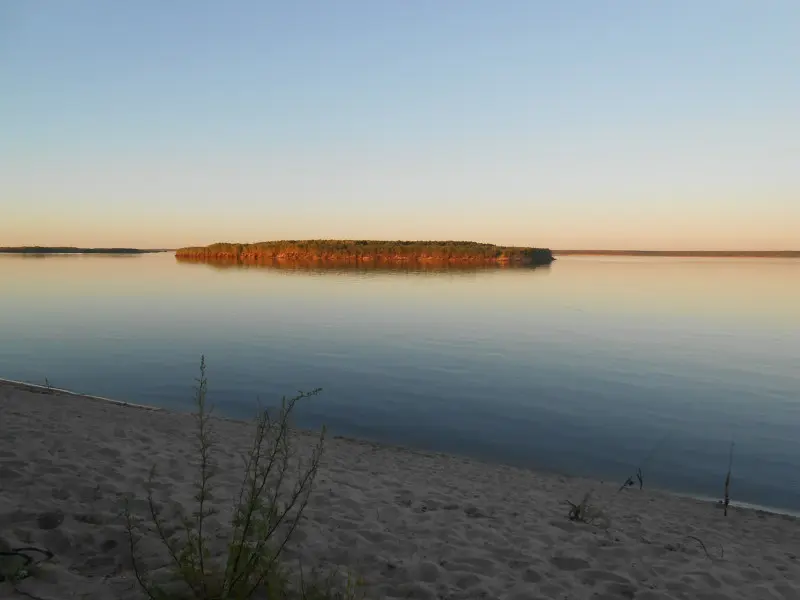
(14, 566)
(17, 564)
(266, 512)
(586, 512)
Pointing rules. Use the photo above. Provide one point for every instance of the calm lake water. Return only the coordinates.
(592, 366)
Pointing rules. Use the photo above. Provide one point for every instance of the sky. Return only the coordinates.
(668, 124)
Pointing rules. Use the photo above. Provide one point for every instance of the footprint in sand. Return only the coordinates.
(60, 493)
(593, 576)
(89, 518)
(467, 580)
(50, 519)
(569, 563)
(428, 572)
(531, 576)
(9, 474)
(404, 499)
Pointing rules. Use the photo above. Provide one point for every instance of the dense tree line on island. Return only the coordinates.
(368, 250)
(685, 253)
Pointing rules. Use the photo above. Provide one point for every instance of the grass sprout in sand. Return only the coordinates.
(237, 557)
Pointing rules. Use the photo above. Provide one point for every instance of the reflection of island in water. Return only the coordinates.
(342, 266)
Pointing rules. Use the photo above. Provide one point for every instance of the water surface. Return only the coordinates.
(591, 366)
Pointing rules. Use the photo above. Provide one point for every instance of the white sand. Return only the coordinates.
(413, 525)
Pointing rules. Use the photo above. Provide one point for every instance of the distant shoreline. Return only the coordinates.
(208, 253)
(71, 250)
(685, 253)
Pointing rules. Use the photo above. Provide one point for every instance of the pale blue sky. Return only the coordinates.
(615, 124)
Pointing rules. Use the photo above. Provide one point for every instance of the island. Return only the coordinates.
(368, 251)
(685, 253)
(71, 250)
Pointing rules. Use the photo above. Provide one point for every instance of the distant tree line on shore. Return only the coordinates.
(71, 250)
(367, 250)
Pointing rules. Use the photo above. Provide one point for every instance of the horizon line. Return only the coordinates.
(554, 250)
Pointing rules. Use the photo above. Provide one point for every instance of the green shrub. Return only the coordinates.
(267, 510)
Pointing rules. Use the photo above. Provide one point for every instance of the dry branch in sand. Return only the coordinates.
(727, 498)
(586, 512)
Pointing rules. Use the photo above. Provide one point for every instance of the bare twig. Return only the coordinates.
(699, 541)
(629, 482)
(727, 500)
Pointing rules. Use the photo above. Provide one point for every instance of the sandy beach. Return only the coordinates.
(411, 524)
